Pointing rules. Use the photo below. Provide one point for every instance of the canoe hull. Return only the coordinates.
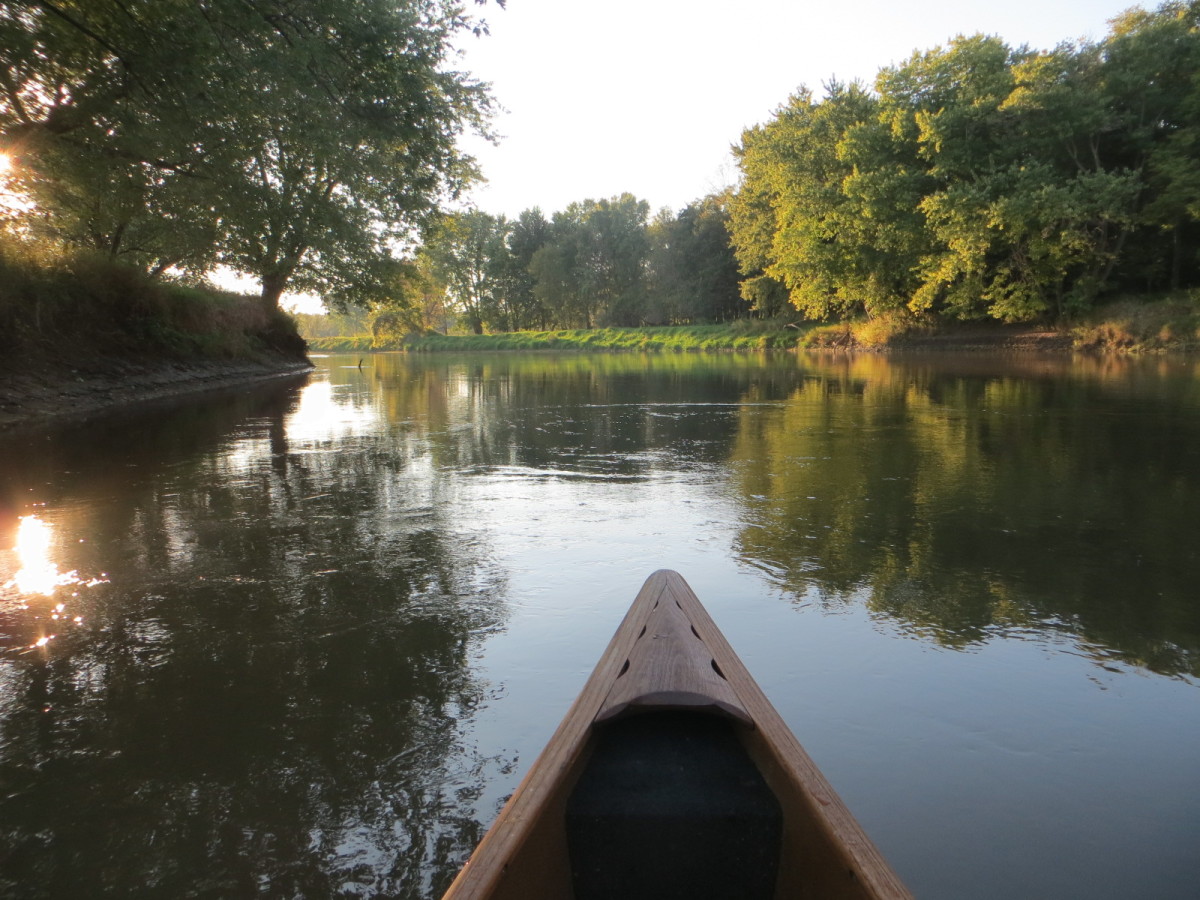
(824, 852)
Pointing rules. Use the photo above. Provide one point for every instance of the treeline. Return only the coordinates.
(598, 263)
(313, 144)
(981, 180)
(974, 181)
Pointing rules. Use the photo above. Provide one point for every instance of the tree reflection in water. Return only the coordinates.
(273, 693)
(965, 502)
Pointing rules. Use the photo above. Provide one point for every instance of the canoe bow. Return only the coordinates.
(824, 854)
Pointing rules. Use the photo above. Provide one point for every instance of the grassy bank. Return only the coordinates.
(76, 310)
(362, 343)
(1166, 325)
(1135, 325)
(743, 335)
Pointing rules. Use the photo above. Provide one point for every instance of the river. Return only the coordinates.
(302, 639)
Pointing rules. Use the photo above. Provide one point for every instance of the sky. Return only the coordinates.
(647, 96)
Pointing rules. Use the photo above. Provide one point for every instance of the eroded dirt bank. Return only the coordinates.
(39, 394)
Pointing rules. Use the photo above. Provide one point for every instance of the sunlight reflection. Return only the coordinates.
(322, 416)
(12, 202)
(38, 574)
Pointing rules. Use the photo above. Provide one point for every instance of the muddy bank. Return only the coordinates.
(40, 394)
(988, 337)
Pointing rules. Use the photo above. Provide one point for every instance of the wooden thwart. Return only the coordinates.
(668, 656)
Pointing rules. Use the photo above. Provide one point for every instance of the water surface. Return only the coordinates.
(303, 638)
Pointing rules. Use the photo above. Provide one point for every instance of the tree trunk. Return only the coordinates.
(1176, 256)
(272, 289)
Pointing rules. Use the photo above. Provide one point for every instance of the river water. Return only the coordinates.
(302, 639)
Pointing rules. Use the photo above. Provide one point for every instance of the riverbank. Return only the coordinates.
(38, 396)
(740, 335)
(80, 333)
(1138, 325)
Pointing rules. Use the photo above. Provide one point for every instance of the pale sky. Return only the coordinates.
(647, 96)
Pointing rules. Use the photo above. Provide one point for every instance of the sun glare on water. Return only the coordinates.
(38, 573)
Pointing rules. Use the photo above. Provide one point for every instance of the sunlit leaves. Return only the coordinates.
(984, 180)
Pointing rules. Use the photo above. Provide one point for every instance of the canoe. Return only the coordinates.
(673, 776)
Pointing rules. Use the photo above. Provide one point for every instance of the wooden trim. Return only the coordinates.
(860, 869)
(544, 786)
(671, 667)
(826, 853)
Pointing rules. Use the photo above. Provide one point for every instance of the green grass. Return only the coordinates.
(741, 335)
(353, 344)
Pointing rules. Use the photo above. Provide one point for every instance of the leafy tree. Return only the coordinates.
(1151, 82)
(527, 234)
(752, 224)
(591, 270)
(297, 140)
(983, 180)
(464, 251)
(692, 272)
(557, 287)
(794, 188)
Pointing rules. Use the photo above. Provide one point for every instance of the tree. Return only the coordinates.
(1151, 82)
(692, 272)
(752, 225)
(793, 220)
(527, 234)
(308, 136)
(464, 251)
(591, 270)
(983, 180)
(419, 305)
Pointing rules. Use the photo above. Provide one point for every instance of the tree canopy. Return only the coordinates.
(297, 140)
(597, 263)
(982, 180)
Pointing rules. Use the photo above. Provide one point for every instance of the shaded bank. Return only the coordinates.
(35, 396)
(78, 333)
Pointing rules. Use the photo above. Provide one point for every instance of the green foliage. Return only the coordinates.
(342, 344)
(741, 335)
(983, 181)
(692, 274)
(596, 263)
(296, 140)
(590, 272)
(465, 253)
(334, 324)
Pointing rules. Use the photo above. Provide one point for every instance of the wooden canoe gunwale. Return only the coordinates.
(825, 854)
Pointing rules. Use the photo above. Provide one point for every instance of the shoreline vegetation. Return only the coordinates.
(79, 333)
(1167, 324)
